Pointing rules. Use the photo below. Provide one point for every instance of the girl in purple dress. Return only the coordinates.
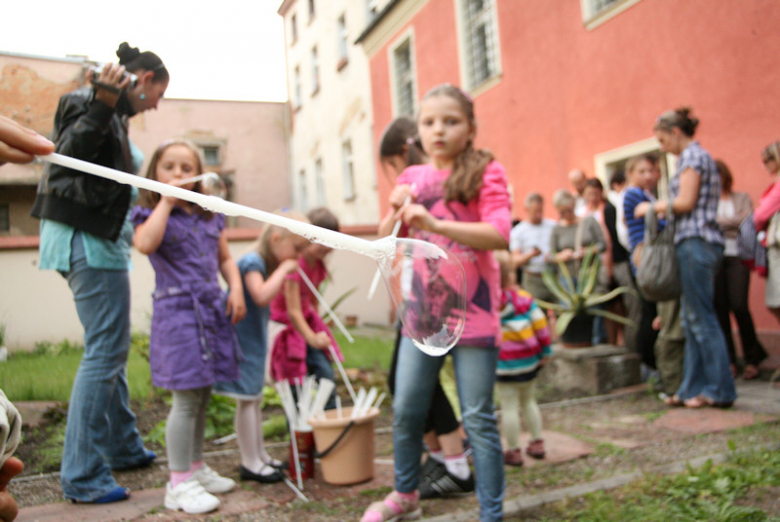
(193, 343)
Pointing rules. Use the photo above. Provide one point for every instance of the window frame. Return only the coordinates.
(297, 88)
(294, 28)
(348, 170)
(603, 162)
(405, 39)
(5, 217)
(593, 17)
(303, 191)
(315, 71)
(489, 15)
(319, 183)
(342, 41)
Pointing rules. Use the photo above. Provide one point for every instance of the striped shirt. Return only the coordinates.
(525, 336)
(701, 221)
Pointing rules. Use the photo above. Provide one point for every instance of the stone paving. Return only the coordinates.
(758, 402)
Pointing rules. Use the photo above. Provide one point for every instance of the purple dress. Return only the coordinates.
(192, 343)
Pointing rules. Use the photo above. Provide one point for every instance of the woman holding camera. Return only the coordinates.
(86, 236)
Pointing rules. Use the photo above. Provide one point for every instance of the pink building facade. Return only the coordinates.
(579, 83)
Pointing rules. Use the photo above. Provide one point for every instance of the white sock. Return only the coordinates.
(437, 455)
(458, 466)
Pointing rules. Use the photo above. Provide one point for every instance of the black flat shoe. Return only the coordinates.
(276, 476)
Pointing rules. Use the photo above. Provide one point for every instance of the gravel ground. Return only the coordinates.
(622, 418)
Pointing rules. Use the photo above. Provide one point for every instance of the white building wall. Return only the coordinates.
(339, 111)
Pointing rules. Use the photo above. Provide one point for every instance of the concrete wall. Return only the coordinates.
(37, 305)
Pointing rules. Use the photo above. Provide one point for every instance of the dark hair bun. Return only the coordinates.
(126, 53)
(688, 123)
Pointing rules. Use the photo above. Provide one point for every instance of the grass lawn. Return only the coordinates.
(48, 372)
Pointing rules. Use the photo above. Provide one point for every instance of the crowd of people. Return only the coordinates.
(205, 340)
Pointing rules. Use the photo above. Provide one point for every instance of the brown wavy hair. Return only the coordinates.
(465, 180)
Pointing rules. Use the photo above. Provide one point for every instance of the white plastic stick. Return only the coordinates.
(358, 403)
(297, 463)
(295, 490)
(187, 181)
(370, 398)
(343, 373)
(325, 305)
(331, 238)
(396, 229)
(378, 402)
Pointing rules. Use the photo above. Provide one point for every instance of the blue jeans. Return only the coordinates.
(318, 365)
(101, 432)
(475, 373)
(706, 366)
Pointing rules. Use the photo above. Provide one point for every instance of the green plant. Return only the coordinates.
(2, 334)
(580, 298)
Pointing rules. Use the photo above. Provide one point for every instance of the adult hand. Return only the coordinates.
(567, 254)
(19, 144)
(110, 83)
(8, 507)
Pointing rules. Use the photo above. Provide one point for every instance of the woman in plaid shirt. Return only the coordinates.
(692, 207)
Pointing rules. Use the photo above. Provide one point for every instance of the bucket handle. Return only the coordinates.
(330, 448)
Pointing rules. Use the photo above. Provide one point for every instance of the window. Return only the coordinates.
(211, 155)
(596, 12)
(372, 6)
(303, 192)
(320, 182)
(342, 40)
(298, 100)
(5, 218)
(611, 161)
(404, 79)
(481, 42)
(315, 71)
(349, 172)
(294, 28)
(311, 10)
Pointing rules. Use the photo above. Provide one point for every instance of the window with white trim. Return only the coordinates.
(211, 155)
(404, 78)
(311, 10)
(320, 182)
(481, 41)
(294, 28)
(349, 171)
(342, 37)
(303, 192)
(595, 12)
(315, 71)
(298, 100)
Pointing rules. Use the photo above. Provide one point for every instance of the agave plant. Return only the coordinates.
(580, 298)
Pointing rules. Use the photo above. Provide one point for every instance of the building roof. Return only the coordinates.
(377, 20)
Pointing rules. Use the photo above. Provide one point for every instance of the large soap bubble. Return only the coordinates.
(428, 288)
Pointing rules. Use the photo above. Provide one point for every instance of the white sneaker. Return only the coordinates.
(190, 497)
(212, 481)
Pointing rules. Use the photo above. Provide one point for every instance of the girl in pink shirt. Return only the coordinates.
(768, 205)
(461, 203)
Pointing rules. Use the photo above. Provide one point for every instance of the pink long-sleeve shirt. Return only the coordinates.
(767, 206)
(483, 280)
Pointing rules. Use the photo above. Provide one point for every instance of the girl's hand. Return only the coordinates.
(288, 266)
(320, 341)
(399, 195)
(236, 307)
(417, 216)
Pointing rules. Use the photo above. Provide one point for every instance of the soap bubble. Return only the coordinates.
(212, 184)
(428, 287)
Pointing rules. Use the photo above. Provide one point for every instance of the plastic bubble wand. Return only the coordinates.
(436, 340)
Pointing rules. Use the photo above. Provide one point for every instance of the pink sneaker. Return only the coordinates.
(513, 457)
(394, 508)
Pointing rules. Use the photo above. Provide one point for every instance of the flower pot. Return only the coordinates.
(579, 332)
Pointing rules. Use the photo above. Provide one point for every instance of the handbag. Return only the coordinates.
(658, 275)
(749, 249)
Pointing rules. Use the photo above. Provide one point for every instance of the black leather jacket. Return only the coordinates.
(87, 129)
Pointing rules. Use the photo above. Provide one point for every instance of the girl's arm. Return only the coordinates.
(292, 297)
(479, 235)
(150, 233)
(261, 290)
(686, 198)
(236, 307)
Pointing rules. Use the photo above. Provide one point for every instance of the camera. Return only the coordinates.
(98, 68)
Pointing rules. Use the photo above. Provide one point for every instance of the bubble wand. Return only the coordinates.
(433, 340)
